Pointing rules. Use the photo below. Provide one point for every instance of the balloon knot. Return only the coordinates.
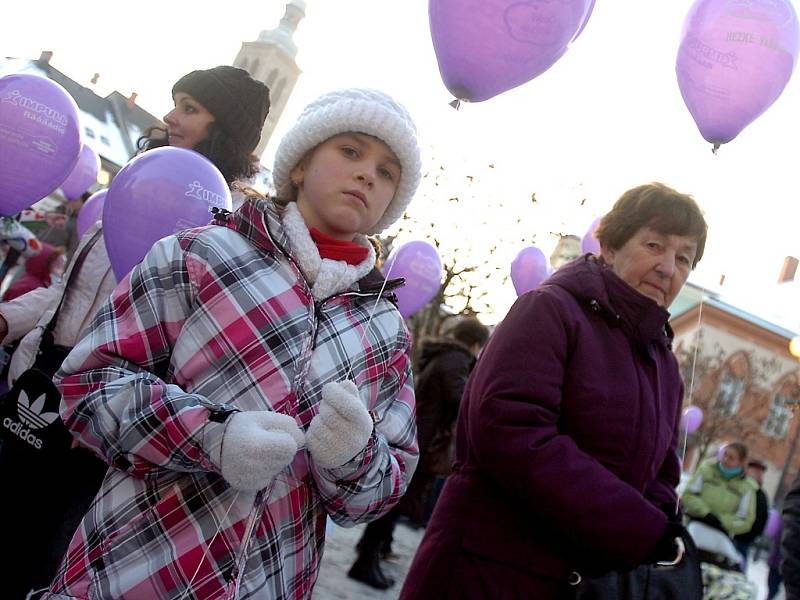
(714, 149)
(456, 103)
(220, 214)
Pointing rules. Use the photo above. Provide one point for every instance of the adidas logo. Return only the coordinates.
(31, 414)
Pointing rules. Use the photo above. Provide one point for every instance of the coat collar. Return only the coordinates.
(273, 228)
(597, 286)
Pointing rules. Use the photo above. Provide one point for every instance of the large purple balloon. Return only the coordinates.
(528, 269)
(83, 174)
(691, 419)
(589, 243)
(486, 47)
(91, 212)
(39, 139)
(734, 60)
(420, 265)
(155, 195)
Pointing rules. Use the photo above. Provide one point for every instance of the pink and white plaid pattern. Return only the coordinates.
(212, 319)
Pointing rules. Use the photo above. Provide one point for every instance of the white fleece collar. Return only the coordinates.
(327, 277)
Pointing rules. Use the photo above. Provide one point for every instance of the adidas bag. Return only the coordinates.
(29, 418)
(29, 411)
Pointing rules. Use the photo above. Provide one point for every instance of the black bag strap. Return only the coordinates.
(47, 335)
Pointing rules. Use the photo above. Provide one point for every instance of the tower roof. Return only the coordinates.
(281, 36)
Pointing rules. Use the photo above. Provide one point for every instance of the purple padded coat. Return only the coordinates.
(566, 445)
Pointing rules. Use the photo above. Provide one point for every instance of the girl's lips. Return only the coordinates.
(357, 194)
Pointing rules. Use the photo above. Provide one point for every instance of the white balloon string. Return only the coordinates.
(371, 315)
(78, 550)
(207, 547)
(685, 442)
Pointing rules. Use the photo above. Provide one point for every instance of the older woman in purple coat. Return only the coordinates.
(566, 456)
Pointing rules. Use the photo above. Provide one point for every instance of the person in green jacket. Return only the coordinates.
(721, 495)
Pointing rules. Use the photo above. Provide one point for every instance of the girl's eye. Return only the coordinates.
(386, 173)
(684, 260)
(189, 109)
(349, 151)
(653, 245)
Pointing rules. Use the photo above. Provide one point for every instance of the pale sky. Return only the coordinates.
(607, 116)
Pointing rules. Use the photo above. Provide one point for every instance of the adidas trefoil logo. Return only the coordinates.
(31, 414)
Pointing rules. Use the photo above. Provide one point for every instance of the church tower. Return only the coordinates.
(271, 59)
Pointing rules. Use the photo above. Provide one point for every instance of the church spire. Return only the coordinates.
(281, 36)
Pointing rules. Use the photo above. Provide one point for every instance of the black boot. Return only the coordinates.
(367, 569)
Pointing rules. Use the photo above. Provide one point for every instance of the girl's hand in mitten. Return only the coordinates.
(341, 429)
(257, 446)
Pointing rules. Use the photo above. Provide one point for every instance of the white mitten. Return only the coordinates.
(257, 446)
(341, 429)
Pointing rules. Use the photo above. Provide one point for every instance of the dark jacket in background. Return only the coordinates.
(565, 449)
(762, 514)
(443, 367)
(790, 542)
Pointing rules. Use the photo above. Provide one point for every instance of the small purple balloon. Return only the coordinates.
(773, 526)
(691, 419)
(420, 265)
(39, 139)
(486, 47)
(157, 194)
(91, 212)
(83, 175)
(721, 451)
(589, 243)
(528, 269)
(734, 60)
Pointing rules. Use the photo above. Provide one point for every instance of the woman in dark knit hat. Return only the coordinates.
(219, 113)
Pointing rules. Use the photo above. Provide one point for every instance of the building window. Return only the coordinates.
(104, 139)
(729, 394)
(777, 422)
(89, 132)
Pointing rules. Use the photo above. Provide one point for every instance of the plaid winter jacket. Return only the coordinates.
(216, 319)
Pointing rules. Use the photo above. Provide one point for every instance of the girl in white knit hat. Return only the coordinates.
(247, 381)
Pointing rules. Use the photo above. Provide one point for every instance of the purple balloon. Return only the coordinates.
(39, 139)
(721, 450)
(528, 269)
(486, 47)
(773, 526)
(691, 419)
(589, 243)
(420, 265)
(83, 175)
(155, 195)
(91, 212)
(734, 60)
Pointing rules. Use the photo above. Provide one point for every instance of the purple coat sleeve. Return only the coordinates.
(512, 423)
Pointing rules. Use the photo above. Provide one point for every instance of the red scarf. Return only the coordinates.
(333, 249)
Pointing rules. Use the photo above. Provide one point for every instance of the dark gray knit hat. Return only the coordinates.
(239, 103)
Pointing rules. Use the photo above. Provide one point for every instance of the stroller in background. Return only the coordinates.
(721, 565)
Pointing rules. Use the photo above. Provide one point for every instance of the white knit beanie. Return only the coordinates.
(360, 111)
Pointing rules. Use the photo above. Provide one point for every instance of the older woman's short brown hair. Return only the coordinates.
(658, 207)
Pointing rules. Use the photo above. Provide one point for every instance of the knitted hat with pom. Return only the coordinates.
(359, 111)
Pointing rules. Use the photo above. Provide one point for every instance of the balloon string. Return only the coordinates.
(208, 546)
(371, 315)
(691, 387)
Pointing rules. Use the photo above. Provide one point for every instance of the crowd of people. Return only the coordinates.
(253, 378)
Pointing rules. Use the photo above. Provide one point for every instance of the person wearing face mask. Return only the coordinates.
(721, 495)
(219, 113)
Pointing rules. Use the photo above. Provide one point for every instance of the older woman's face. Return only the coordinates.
(654, 264)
